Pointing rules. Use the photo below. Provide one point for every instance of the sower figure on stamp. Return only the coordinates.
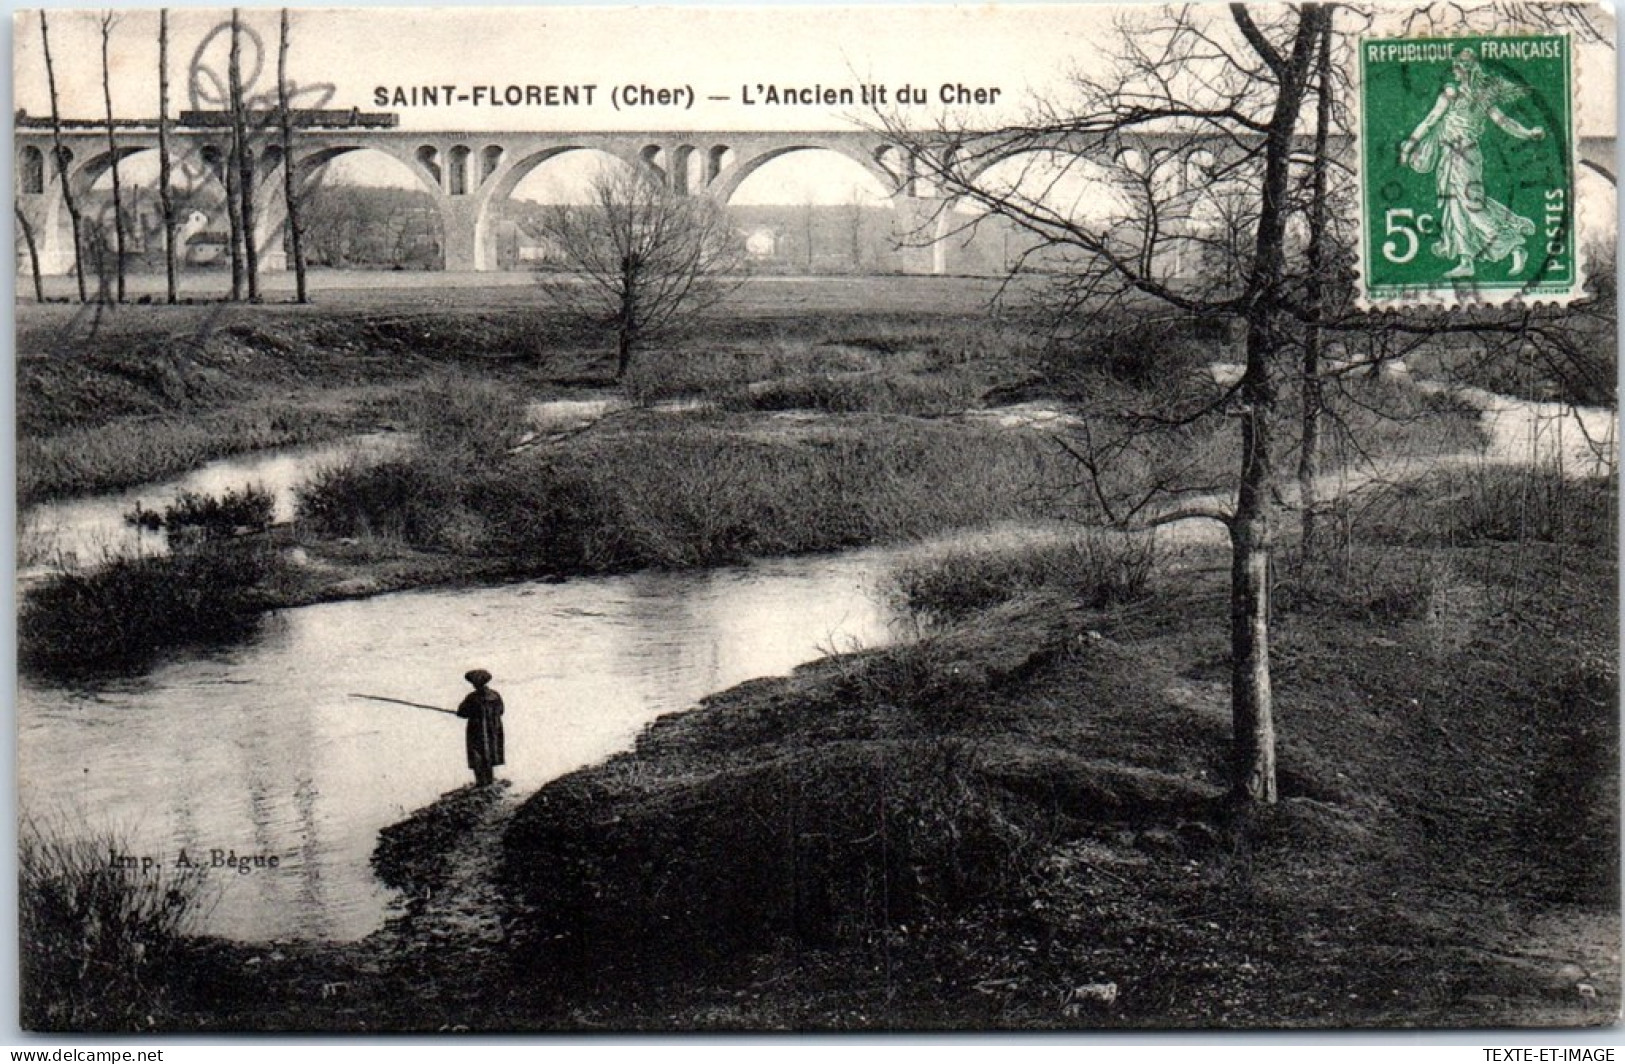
(1472, 226)
(483, 710)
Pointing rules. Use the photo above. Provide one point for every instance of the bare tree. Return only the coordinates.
(1221, 98)
(855, 206)
(1205, 133)
(809, 213)
(289, 177)
(60, 151)
(166, 200)
(107, 21)
(234, 217)
(646, 257)
(27, 230)
(243, 158)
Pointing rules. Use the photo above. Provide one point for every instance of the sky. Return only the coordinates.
(711, 52)
(719, 64)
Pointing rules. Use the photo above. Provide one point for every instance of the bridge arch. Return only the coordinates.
(490, 159)
(308, 163)
(89, 169)
(509, 176)
(717, 159)
(270, 204)
(727, 182)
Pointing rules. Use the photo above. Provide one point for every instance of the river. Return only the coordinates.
(259, 750)
(83, 530)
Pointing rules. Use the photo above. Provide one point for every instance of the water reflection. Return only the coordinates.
(257, 749)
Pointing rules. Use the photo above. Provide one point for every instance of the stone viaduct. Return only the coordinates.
(468, 174)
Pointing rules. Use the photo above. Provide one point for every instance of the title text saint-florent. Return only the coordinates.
(483, 95)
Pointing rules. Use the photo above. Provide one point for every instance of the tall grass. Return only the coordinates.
(1096, 567)
(1378, 585)
(194, 516)
(97, 939)
(109, 457)
(1486, 503)
(886, 392)
(460, 417)
(922, 371)
(694, 493)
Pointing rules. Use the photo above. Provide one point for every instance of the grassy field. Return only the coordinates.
(113, 397)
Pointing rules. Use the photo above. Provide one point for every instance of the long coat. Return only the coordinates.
(483, 708)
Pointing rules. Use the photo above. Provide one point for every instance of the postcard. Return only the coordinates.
(1005, 517)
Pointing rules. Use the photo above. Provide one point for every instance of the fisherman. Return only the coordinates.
(483, 710)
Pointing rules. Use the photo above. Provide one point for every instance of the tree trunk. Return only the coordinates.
(245, 160)
(235, 218)
(165, 199)
(1251, 698)
(112, 153)
(1312, 393)
(33, 253)
(289, 180)
(628, 332)
(627, 343)
(61, 154)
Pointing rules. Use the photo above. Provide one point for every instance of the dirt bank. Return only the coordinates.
(1018, 824)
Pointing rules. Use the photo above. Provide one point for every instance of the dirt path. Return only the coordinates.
(452, 897)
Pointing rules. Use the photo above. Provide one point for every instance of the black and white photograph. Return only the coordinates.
(1006, 518)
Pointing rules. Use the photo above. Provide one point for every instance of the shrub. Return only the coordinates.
(1098, 568)
(397, 498)
(1511, 504)
(692, 494)
(123, 612)
(194, 516)
(95, 938)
(463, 416)
(1382, 585)
(1148, 350)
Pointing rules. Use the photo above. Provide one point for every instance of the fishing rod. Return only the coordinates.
(404, 702)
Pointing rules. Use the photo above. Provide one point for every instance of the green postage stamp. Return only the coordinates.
(1467, 170)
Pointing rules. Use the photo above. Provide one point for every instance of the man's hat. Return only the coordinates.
(477, 677)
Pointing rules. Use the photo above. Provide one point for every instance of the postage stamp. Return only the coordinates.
(1467, 170)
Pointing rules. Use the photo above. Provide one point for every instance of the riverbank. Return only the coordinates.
(1017, 821)
(480, 494)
